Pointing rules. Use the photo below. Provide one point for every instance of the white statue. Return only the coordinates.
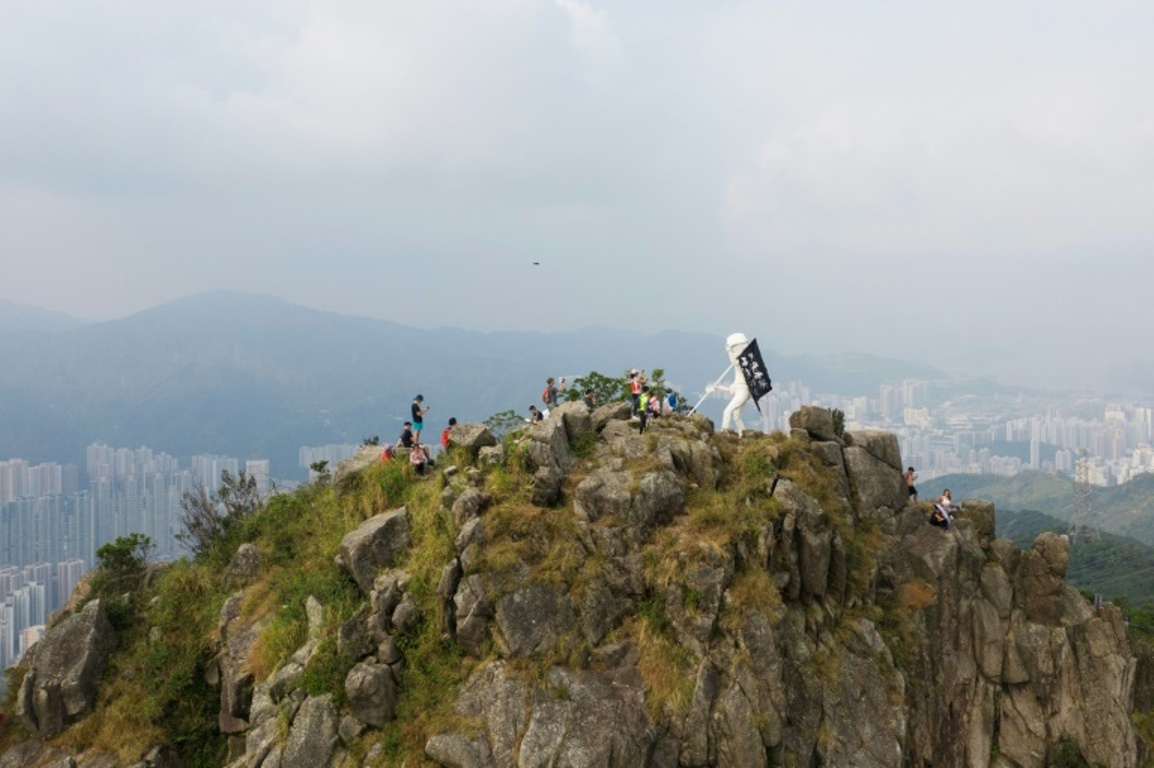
(735, 344)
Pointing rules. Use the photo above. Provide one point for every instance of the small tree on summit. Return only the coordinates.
(606, 389)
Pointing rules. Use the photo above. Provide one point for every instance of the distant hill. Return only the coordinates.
(1051, 493)
(22, 318)
(1113, 566)
(254, 376)
(1126, 510)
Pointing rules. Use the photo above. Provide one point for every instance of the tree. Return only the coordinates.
(206, 518)
(504, 422)
(606, 389)
(121, 560)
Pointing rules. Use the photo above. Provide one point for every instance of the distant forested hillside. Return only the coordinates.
(1112, 566)
(1126, 510)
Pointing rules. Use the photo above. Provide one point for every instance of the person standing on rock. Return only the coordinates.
(549, 396)
(910, 476)
(634, 391)
(418, 416)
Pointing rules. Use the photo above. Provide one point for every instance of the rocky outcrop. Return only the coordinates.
(374, 545)
(614, 609)
(64, 671)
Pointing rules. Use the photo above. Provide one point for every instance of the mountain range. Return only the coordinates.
(255, 376)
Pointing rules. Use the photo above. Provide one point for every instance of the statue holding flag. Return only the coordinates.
(735, 344)
(750, 379)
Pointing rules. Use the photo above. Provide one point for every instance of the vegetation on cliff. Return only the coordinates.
(762, 594)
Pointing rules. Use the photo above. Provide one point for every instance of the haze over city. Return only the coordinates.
(962, 185)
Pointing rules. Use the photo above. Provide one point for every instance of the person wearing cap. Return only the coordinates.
(418, 416)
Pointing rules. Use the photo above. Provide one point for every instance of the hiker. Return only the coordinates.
(418, 416)
(910, 476)
(446, 431)
(643, 408)
(653, 407)
(549, 394)
(634, 391)
(943, 511)
(387, 453)
(535, 415)
(406, 439)
(419, 458)
(590, 399)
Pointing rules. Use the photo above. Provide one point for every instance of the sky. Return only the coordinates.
(965, 184)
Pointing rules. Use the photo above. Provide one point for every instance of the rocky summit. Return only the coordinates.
(584, 594)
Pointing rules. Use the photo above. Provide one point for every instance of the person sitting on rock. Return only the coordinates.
(535, 415)
(943, 511)
(419, 458)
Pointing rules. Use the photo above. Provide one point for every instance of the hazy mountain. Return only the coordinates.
(23, 318)
(254, 376)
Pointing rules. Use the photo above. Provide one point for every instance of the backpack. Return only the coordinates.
(545, 395)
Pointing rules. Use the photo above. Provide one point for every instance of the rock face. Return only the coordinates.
(64, 671)
(679, 599)
(375, 544)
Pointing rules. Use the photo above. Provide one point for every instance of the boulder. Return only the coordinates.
(375, 544)
(313, 736)
(245, 564)
(878, 443)
(468, 505)
(366, 456)
(602, 415)
(64, 671)
(817, 422)
(875, 483)
(577, 419)
(471, 437)
(372, 693)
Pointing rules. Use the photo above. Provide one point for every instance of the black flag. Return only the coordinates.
(753, 368)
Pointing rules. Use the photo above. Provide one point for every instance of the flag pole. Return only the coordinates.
(710, 389)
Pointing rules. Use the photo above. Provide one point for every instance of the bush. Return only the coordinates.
(206, 520)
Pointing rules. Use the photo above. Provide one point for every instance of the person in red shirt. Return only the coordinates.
(445, 433)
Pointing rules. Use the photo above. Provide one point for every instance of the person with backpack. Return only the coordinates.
(445, 433)
(550, 393)
(643, 408)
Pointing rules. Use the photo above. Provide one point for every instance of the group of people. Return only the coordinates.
(944, 507)
(645, 403)
(409, 442)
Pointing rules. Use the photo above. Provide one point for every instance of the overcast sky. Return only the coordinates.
(962, 183)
